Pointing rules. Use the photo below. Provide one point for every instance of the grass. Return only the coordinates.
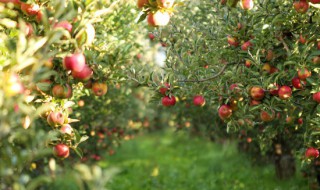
(173, 161)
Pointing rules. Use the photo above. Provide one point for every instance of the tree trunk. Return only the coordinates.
(285, 165)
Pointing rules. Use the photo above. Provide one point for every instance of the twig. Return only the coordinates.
(285, 45)
(206, 79)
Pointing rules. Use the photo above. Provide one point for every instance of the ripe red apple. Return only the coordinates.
(61, 151)
(225, 111)
(55, 118)
(301, 6)
(316, 97)
(300, 121)
(285, 92)
(39, 16)
(246, 4)
(142, 3)
(62, 91)
(257, 93)
(302, 39)
(151, 36)
(266, 67)
(274, 89)
(65, 25)
(316, 60)
(247, 63)
(168, 101)
(254, 102)
(165, 3)
(84, 75)
(158, 18)
(232, 41)
(30, 9)
(245, 46)
(266, 116)
(314, 1)
(99, 89)
(270, 55)
(164, 89)
(199, 100)
(74, 62)
(297, 83)
(66, 129)
(312, 153)
(304, 73)
(273, 70)
(289, 119)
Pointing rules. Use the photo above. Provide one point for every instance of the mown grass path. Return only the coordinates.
(173, 161)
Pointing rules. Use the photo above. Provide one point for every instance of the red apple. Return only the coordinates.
(273, 70)
(39, 16)
(84, 75)
(225, 111)
(74, 62)
(30, 9)
(304, 73)
(163, 90)
(316, 60)
(168, 101)
(199, 100)
(158, 18)
(274, 89)
(99, 89)
(285, 92)
(62, 91)
(270, 55)
(65, 25)
(266, 67)
(300, 121)
(257, 93)
(301, 6)
(165, 3)
(246, 4)
(255, 102)
(312, 153)
(247, 63)
(245, 46)
(232, 41)
(61, 151)
(142, 3)
(151, 36)
(297, 83)
(55, 118)
(266, 116)
(66, 129)
(302, 39)
(316, 97)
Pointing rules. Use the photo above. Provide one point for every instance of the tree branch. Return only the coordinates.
(285, 45)
(207, 79)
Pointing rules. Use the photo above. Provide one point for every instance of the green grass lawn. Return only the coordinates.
(174, 161)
